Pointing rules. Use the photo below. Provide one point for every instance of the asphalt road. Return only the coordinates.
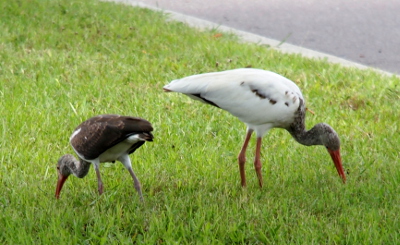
(363, 31)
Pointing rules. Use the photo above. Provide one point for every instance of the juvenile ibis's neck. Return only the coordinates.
(79, 168)
(83, 169)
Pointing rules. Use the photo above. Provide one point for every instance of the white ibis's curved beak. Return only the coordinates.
(60, 183)
(337, 160)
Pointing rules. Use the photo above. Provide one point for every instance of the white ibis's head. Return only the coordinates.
(330, 139)
(63, 170)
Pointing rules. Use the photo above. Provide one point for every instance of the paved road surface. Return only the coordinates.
(363, 31)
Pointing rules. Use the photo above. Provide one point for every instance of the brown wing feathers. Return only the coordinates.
(100, 133)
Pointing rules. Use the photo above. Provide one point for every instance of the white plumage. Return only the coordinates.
(262, 100)
(257, 97)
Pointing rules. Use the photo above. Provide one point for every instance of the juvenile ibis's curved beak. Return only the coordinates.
(60, 183)
(337, 160)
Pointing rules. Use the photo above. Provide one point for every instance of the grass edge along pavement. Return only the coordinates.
(244, 36)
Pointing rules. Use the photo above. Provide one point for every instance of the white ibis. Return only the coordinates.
(262, 100)
(104, 138)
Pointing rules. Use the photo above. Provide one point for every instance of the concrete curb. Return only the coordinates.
(253, 38)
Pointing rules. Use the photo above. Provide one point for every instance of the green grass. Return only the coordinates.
(62, 62)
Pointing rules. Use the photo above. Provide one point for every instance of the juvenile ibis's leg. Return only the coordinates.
(242, 157)
(126, 161)
(257, 162)
(99, 181)
(136, 183)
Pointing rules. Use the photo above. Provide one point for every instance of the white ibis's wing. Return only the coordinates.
(97, 134)
(254, 96)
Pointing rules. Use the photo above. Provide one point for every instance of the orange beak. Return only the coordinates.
(60, 183)
(337, 160)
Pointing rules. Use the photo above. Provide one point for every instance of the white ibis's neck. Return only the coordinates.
(320, 134)
(308, 137)
(68, 164)
(298, 130)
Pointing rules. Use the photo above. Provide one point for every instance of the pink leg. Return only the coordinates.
(257, 162)
(242, 157)
(136, 183)
(99, 182)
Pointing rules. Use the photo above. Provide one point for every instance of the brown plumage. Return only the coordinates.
(104, 138)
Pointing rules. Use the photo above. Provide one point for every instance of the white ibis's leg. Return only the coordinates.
(242, 157)
(257, 162)
(99, 181)
(126, 161)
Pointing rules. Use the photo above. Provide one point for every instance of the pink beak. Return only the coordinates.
(60, 183)
(337, 160)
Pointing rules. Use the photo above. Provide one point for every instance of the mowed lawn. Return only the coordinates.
(62, 62)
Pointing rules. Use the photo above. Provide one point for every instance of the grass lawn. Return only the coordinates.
(62, 62)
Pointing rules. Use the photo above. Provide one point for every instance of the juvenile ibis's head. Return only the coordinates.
(64, 165)
(68, 165)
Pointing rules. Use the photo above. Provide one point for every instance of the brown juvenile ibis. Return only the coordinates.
(104, 138)
(262, 100)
